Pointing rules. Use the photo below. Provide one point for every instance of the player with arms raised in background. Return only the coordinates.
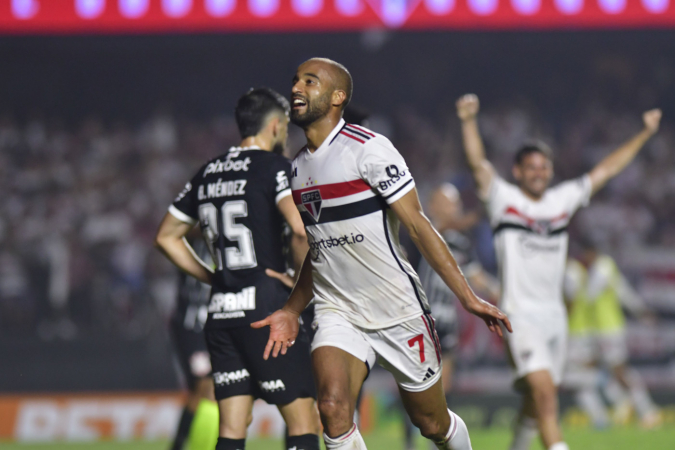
(241, 200)
(353, 189)
(530, 222)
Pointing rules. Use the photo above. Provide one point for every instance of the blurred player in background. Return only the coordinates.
(530, 235)
(354, 189)
(597, 292)
(241, 200)
(187, 335)
(446, 212)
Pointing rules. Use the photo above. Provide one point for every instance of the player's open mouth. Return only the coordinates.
(299, 103)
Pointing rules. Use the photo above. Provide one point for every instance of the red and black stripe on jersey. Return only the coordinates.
(520, 221)
(356, 133)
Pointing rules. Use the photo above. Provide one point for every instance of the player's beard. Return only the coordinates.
(315, 111)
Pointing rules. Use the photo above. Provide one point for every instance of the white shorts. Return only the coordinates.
(581, 350)
(612, 348)
(410, 350)
(538, 346)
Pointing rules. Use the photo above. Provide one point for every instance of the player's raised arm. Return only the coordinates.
(171, 241)
(283, 323)
(409, 211)
(615, 162)
(483, 172)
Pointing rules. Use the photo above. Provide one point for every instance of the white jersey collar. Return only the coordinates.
(327, 141)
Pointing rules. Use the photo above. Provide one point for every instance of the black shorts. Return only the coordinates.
(191, 353)
(448, 335)
(239, 367)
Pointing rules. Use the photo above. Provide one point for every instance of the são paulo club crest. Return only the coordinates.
(311, 200)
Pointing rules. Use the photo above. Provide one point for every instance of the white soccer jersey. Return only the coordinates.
(531, 245)
(343, 190)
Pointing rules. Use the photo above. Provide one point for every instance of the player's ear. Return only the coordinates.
(275, 126)
(517, 173)
(339, 97)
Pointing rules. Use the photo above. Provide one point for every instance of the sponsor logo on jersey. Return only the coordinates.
(330, 242)
(394, 177)
(228, 165)
(230, 301)
(311, 200)
(228, 378)
(282, 181)
(272, 386)
(221, 189)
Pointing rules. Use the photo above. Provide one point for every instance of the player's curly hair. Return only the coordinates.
(255, 106)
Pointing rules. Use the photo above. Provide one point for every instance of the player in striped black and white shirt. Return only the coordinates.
(353, 189)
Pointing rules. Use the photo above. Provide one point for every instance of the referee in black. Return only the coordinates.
(241, 200)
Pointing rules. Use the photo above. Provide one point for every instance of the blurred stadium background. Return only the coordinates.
(107, 107)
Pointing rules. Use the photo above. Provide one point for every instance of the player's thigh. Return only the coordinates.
(411, 352)
(543, 391)
(231, 375)
(341, 359)
(280, 380)
(301, 417)
(533, 348)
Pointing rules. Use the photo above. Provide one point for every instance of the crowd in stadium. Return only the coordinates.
(82, 201)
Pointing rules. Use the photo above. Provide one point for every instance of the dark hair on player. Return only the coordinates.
(255, 106)
(530, 147)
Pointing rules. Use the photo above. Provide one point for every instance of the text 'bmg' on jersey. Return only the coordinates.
(234, 198)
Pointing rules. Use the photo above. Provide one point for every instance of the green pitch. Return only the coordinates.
(579, 439)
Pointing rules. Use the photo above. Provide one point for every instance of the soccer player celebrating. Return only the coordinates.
(241, 200)
(353, 189)
(530, 222)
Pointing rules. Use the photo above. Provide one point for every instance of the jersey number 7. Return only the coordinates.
(419, 339)
(241, 256)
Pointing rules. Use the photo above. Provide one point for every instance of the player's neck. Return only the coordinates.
(318, 131)
(256, 141)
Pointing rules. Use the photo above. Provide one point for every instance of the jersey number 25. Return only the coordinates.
(241, 256)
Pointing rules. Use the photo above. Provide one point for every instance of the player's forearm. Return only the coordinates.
(303, 290)
(299, 248)
(438, 255)
(617, 161)
(473, 144)
(180, 255)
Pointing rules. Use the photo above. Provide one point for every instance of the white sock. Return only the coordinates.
(351, 440)
(590, 401)
(642, 401)
(559, 446)
(524, 433)
(458, 435)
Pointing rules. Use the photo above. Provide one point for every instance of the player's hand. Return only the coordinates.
(284, 327)
(491, 315)
(285, 278)
(652, 119)
(468, 106)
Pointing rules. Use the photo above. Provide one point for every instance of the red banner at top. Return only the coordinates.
(151, 16)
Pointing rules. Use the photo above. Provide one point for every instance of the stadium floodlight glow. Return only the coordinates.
(133, 9)
(349, 8)
(569, 7)
(526, 7)
(307, 8)
(25, 9)
(176, 8)
(656, 6)
(440, 7)
(220, 8)
(89, 9)
(612, 6)
(483, 7)
(263, 8)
